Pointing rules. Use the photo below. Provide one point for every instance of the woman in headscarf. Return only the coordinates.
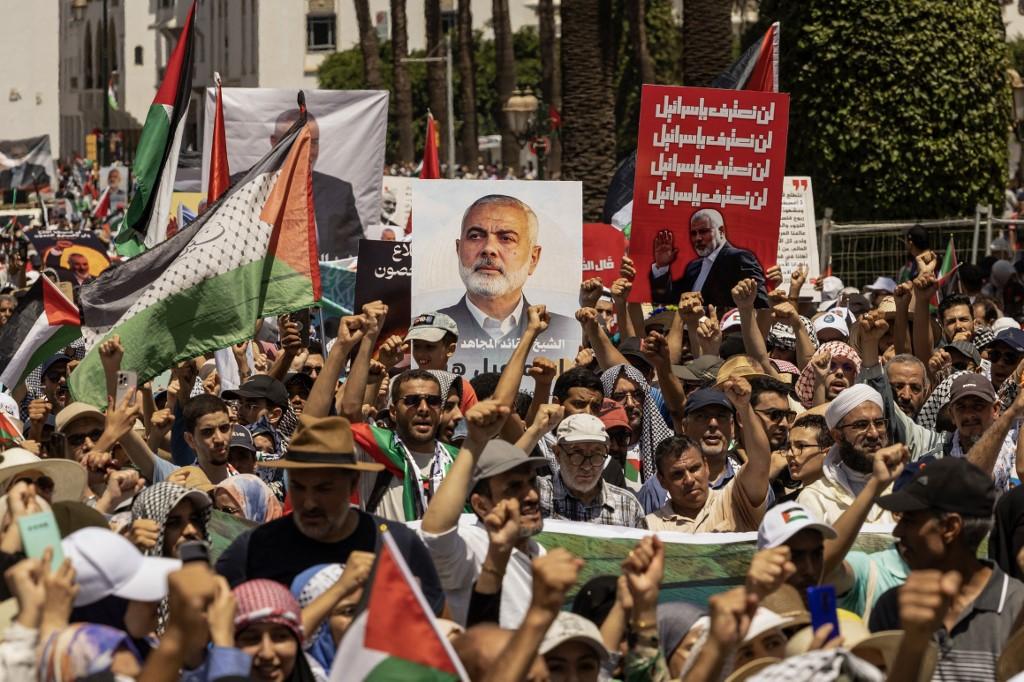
(680, 625)
(626, 385)
(308, 586)
(165, 515)
(246, 496)
(844, 366)
(1007, 538)
(85, 649)
(268, 627)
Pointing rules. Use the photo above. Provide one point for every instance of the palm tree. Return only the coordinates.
(550, 77)
(402, 84)
(505, 80)
(588, 69)
(436, 82)
(369, 45)
(469, 146)
(638, 36)
(707, 40)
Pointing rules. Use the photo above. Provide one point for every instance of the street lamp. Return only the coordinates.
(521, 109)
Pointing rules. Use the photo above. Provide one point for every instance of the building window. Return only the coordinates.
(138, 54)
(320, 32)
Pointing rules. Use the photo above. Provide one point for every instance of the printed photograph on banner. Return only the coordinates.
(117, 178)
(798, 235)
(484, 251)
(77, 257)
(395, 221)
(708, 192)
(603, 248)
(26, 165)
(348, 152)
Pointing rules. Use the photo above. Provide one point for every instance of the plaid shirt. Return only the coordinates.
(613, 506)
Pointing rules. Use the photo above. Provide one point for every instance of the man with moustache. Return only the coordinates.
(500, 482)
(908, 379)
(324, 527)
(498, 251)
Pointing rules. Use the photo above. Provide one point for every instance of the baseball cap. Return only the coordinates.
(706, 397)
(886, 284)
(831, 320)
(830, 289)
(738, 366)
(971, 384)
(73, 412)
(572, 627)
(51, 361)
(613, 415)
(107, 564)
(783, 521)
(260, 386)
(1014, 338)
(431, 327)
(241, 438)
(662, 318)
(703, 368)
(950, 484)
(630, 349)
(965, 348)
(731, 320)
(498, 457)
(581, 428)
(1004, 323)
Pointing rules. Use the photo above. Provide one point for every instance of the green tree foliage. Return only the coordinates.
(899, 109)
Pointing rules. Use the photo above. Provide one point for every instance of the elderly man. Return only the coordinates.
(78, 264)
(498, 251)
(714, 272)
(324, 527)
(577, 491)
(944, 514)
(859, 428)
(8, 304)
(908, 379)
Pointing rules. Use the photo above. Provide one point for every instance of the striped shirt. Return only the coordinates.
(613, 506)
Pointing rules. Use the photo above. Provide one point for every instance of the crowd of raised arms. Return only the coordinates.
(869, 438)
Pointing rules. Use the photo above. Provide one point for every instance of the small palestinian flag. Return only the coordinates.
(371, 651)
(102, 207)
(9, 434)
(44, 323)
(156, 157)
(947, 280)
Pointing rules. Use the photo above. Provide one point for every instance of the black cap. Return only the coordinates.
(260, 386)
(241, 438)
(596, 598)
(971, 384)
(964, 348)
(950, 484)
(705, 397)
(1014, 338)
(298, 378)
(704, 368)
(51, 361)
(630, 348)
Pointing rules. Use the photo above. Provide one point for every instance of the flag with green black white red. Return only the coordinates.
(252, 254)
(44, 323)
(9, 434)
(371, 651)
(156, 157)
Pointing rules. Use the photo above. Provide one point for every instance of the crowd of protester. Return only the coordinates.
(800, 422)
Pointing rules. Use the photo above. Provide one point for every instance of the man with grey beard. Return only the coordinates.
(498, 251)
(975, 411)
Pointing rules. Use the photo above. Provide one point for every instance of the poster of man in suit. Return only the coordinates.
(485, 251)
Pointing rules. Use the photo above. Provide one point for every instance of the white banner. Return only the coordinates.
(798, 236)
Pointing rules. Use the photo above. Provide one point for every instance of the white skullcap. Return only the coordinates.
(848, 400)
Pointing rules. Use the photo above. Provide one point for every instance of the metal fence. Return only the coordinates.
(860, 252)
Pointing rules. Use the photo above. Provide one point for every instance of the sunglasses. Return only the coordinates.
(415, 400)
(42, 483)
(77, 439)
(55, 376)
(1010, 357)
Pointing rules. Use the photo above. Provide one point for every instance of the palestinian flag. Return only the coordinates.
(9, 434)
(253, 254)
(431, 168)
(220, 175)
(947, 281)
(111, 95)
(757, 68)
(44, 323)
(371, 650)
(385, 448)
(102, 207)
(156, 157)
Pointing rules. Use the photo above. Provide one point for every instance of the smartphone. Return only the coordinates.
(301, 317)
(821, 601)
(194, 550)
(39, 531)
(126, 383)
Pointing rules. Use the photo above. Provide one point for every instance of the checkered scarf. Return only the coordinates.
(654, 429)
(448, 381)
(267, 601)
(929, 413)
(156, 503)
(838, 349)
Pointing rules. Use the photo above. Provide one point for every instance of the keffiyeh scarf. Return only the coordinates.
(306, 587)
(654, 429)
(838, 349)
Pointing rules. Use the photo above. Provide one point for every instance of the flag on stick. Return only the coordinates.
(431, 169)
(9, 434)
(251, 255)
(757, 68)
(947, 281)
(156, 158)
(371, 652)
(111, 94)
(102, 207)
(220, 175)
(44, 323)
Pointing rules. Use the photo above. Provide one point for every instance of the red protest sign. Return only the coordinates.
(603, 248)
(707, 197)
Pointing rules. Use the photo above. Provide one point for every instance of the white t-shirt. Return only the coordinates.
(458, 555)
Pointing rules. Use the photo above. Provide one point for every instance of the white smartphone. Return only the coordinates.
(126, 384)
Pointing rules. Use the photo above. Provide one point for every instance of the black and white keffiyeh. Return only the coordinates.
(654, 427)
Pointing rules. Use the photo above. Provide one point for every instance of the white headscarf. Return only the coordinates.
(848, 400)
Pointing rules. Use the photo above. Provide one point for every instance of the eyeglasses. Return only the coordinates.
(415, 400)
(621, 396)
(800, 448)
(777, 415)
(42, 483)
(578, 459)
(77, 439)
(862, 425)
(1008, 356)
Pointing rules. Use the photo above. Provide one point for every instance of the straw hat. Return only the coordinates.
(322, 443)
(69, 477)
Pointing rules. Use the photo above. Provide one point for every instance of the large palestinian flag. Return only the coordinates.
(372, 650)
(250, 255)
(156, 158)
(44, 323)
